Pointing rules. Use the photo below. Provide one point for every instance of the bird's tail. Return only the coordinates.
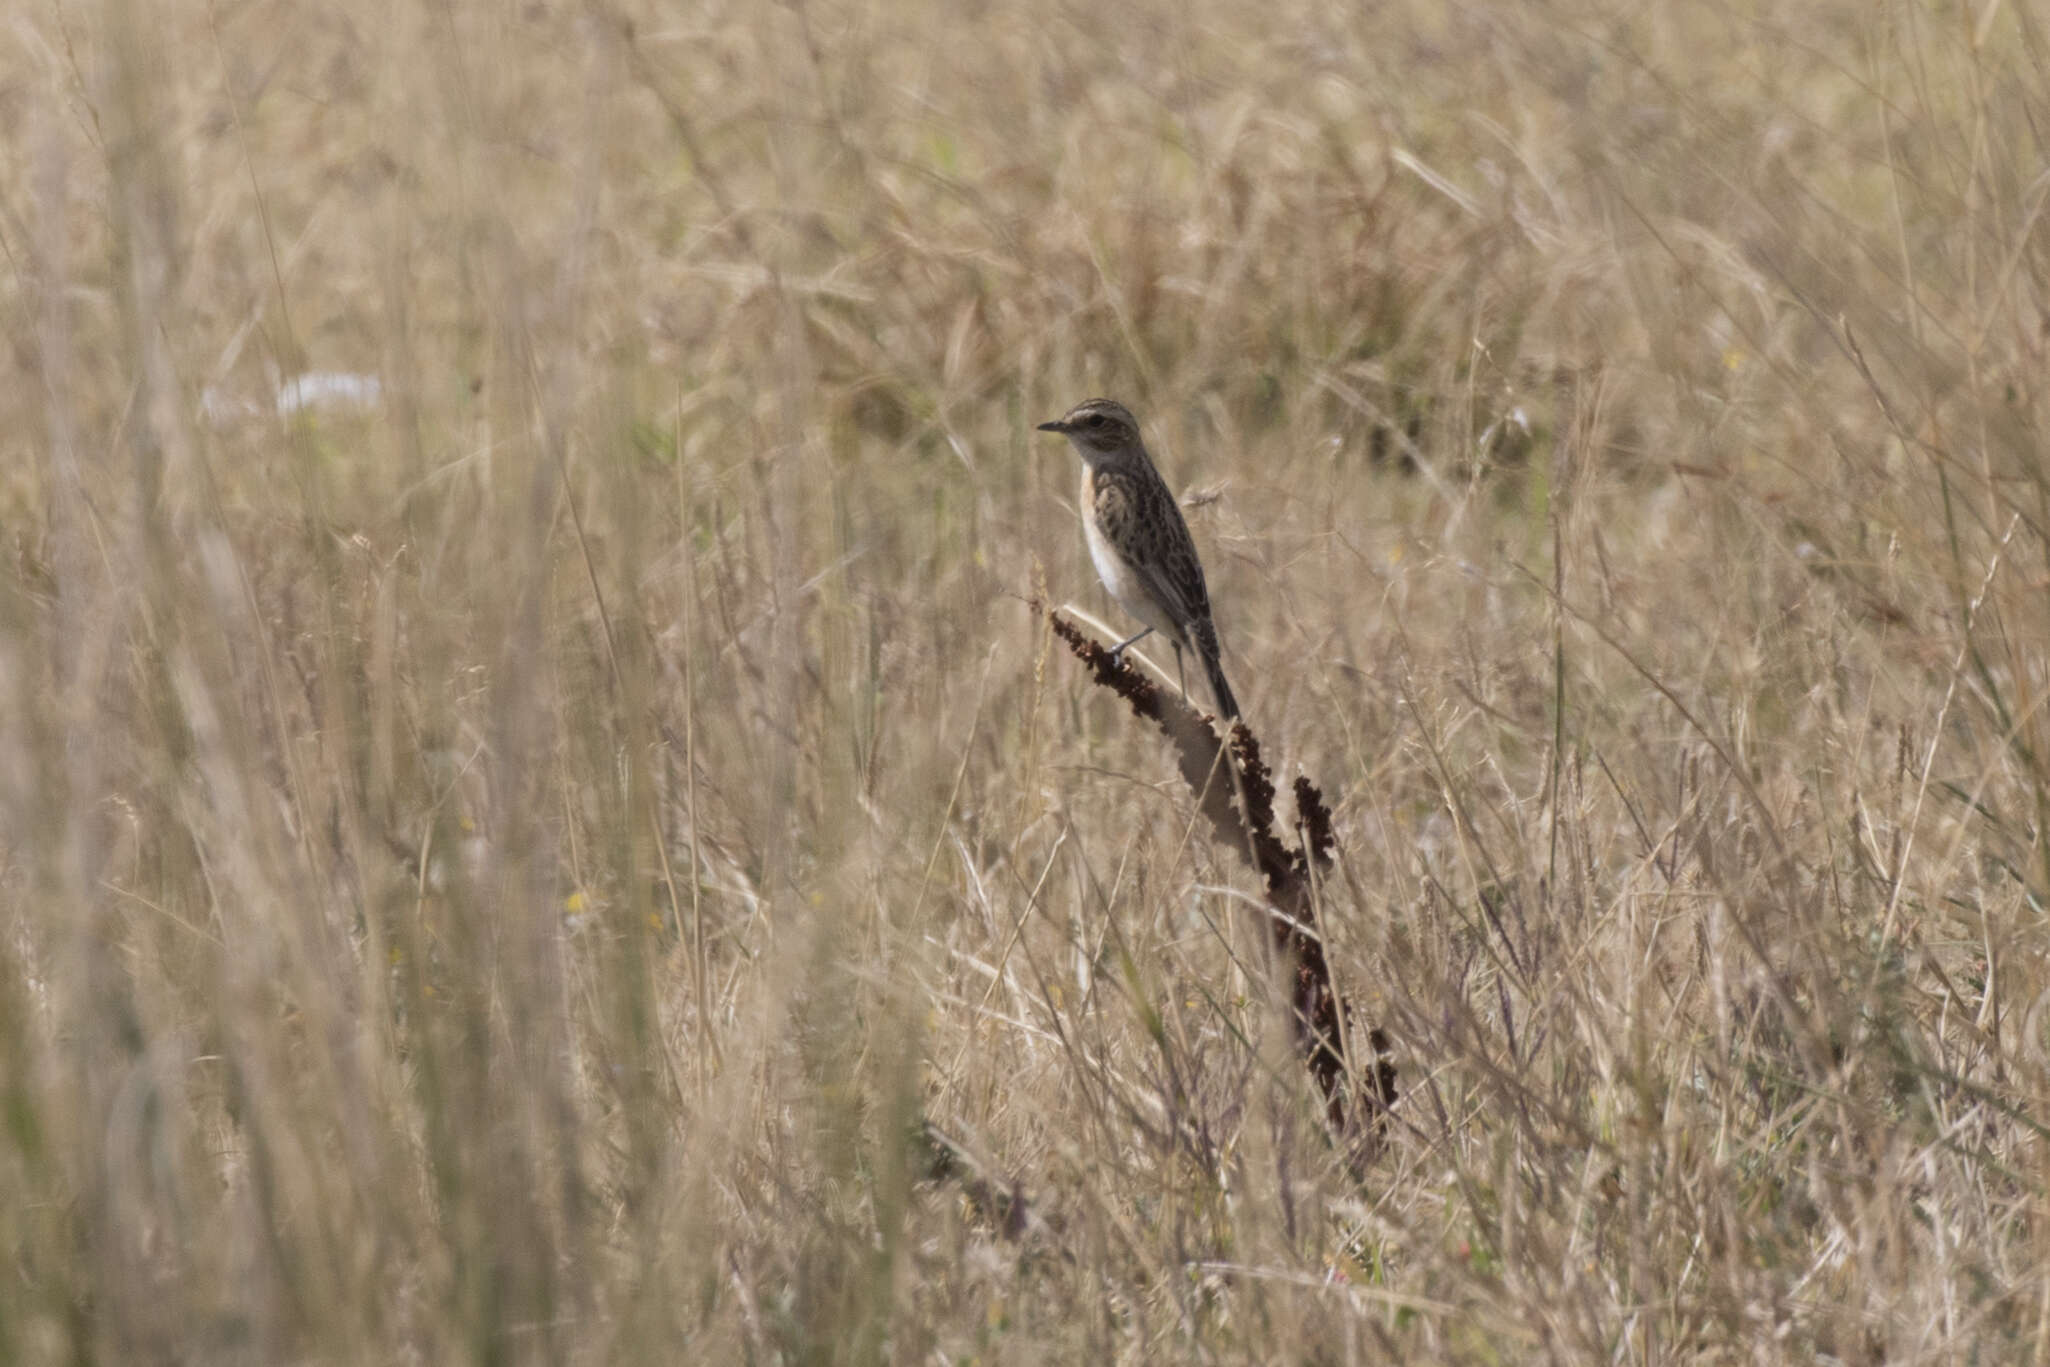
(1206, 646)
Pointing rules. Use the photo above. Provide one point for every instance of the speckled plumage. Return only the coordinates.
(1138, 539)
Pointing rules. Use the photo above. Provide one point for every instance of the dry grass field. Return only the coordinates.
(580, 851)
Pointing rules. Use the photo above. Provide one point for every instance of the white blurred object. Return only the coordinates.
(312, 390)
(328, 389)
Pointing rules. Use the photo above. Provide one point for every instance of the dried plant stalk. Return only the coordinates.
(1318, 1012)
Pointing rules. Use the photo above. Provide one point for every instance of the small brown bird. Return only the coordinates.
(1139, 541)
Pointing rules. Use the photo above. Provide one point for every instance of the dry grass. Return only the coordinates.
(505, 873)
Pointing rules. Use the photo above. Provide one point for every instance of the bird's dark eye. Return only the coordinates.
(1095, 420)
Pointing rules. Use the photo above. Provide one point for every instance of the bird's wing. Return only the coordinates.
(1174, 572)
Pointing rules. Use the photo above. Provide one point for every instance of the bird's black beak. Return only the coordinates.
(1055, 426)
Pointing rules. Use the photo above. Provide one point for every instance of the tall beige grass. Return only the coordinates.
(504, 872)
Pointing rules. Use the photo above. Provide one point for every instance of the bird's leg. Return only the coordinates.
(1181, 680)
(1117, 652)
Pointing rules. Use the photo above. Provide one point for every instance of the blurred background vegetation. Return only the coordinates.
(526, 772)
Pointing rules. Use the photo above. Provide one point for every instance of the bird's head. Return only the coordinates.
(1098, 427)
